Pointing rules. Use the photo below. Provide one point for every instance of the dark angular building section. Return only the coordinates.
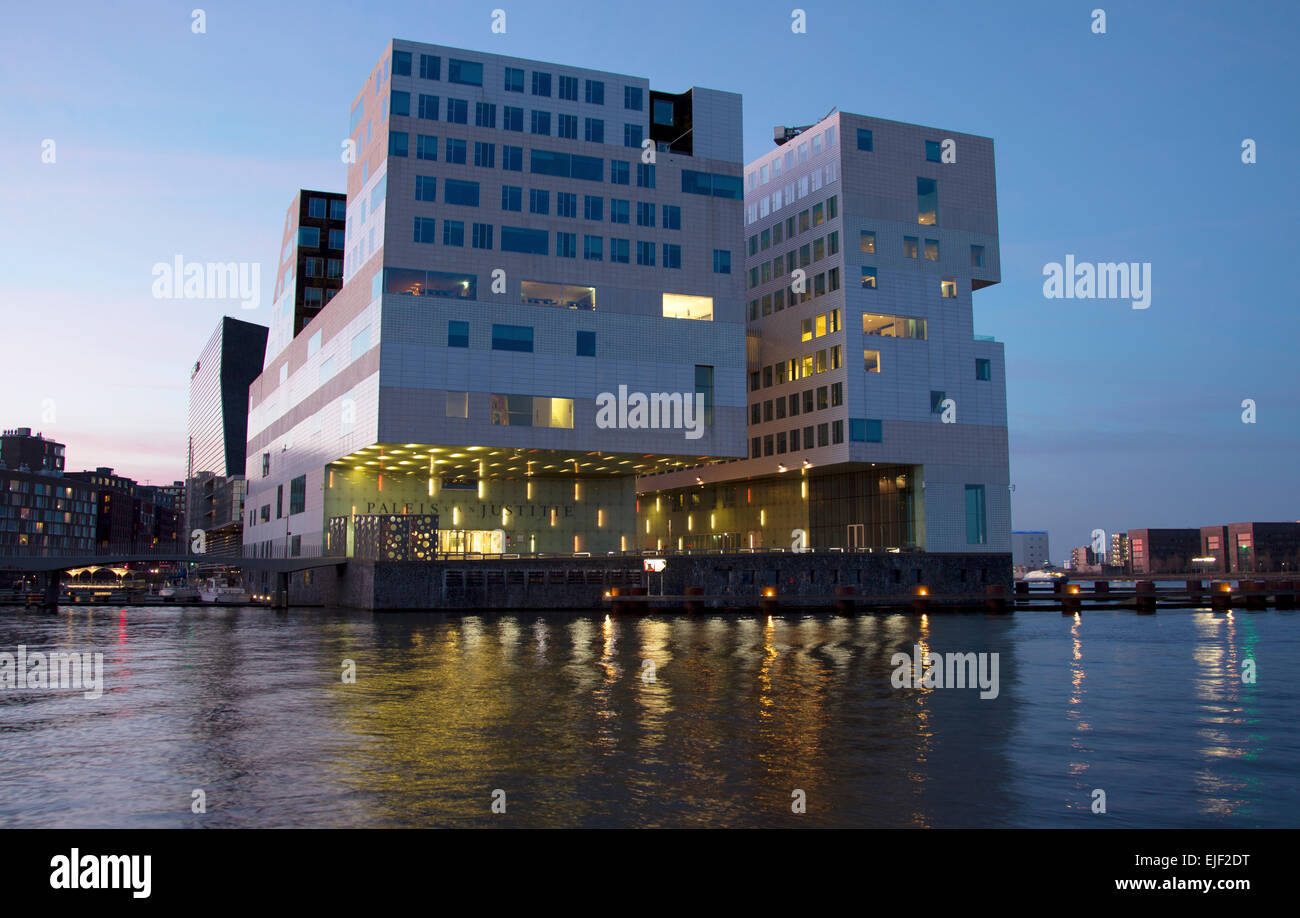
(310, 271)
(1163, 551)
(130, 513)
(20, 449)
(1243, 548)
(218, 432)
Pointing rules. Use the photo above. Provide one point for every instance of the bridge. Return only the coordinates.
(54, 562)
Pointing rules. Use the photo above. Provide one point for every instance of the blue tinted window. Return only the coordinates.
(632, 97)
(936, 401)
(632, 134)
(469, 73)
(568, 88)
(541, 123)
(662, 112)
(586, 344)
(927, 201)
(456, 150)
(485, 155)
(457, 334)
(672, 217)
(874, 430)
(566, 204)
(512, 198)
(458, 192)
(593, 248)
(590, 168)
(932, 151)
(728, 186)
(401, 103)
(593, 208)
(316, 208)
(976, 528)
(398, 141)
(544, 162)
(426, 147)
(309, 236)
(512, 158)
(426, 188)
(430, 67)
(402, 63)
(721, 261)
(458, 111)
(428, 107)
(566, 245)
(864, 140)
(672, 256)
(482, 235)
(620, 173)
(595, 92)
(618, 250)
(339, 210)
(645, 213)
(539, 201)
(512, 338)
(514, 80)
(645, 254)
(453, 232)
(983, 368)
(567, 127)
(645, 175)
(541, 83)
(527, 241)
(619, 211)
(594, 131)
(425, 230)
(485, 114)
(512, 118)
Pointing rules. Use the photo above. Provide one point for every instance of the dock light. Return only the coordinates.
(769, 592)
(780, 468)
(922, 591)
(1072, 589)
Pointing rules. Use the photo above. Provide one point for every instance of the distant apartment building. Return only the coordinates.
(218, 424)
(127, 512)
(1163, 551)
(39, 507)
(310, 271)
(1029, 549)
(1251, 547)
(876, 416)
(525, 241)
(1119, 552)
(1084, 560)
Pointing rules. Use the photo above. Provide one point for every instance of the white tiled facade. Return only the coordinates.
(894, 418)
(368, 380)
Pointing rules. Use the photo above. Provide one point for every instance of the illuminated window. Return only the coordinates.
(948, 288)
(680, 306)
(871, 361)
(531, 411)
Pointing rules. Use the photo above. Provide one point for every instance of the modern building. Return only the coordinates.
(531, 249)
(1251, 547)
(1163, 551)
(1084, 560)
(127, 512)
(218, 424)
(1118, 558)
(40, 508)
(876, 416)
(310, 271)
(1029, 549)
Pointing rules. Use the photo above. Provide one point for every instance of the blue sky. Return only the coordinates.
(1117, 147)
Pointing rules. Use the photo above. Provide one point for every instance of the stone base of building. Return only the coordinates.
(734, 579)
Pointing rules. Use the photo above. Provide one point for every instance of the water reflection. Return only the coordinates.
(562, 713)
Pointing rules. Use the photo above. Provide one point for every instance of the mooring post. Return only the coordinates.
(53, 587)
(1146, 597)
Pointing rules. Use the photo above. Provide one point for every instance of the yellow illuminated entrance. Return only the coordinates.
(471, 541)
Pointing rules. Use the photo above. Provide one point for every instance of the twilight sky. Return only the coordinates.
(1117, 147)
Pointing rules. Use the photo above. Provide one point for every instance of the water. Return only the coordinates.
(249, 706)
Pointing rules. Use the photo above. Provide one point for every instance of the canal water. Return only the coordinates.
(585, 720)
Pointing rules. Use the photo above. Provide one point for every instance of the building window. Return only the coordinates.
(512, 338)
(721, 261)
(948, 288)
(481, 235)
(426, 147)
(619, 210)
(512, 198)
(932, 250)
(541, 123)
(531, 411)
(645, 254)
(937, 397)
(266, 464)
(593, 208)
(632, 98)
(672, 217)
(485, 155)
(485, 115)
(620, 173)
(512, 119)
(512, 158)
(977, 256)
(593, 248)
(425, 230)
(430, 67)
(927, 201)
(983, 368)
(645, 175)
(619, 251)
(458, 111)
(632, 135)
(453, 232)
(514, 80)
(672, 255)
(932, 151)
(871, 361)
(541, 84)
(976, 524)
(457, 404)
(566, 245)
(868, 277)
(468, 73)
(457, 334)
(594, 130)
(864, 140)
(910, 244)
(461, 193)
(539, 201)
(586, 344)
(428, 109)
(595, 92)
(645, 213)
(298, 495)
(426, 188)
(569, 88)
(525, 241)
